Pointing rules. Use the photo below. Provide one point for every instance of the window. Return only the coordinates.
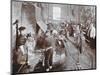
(56, 13)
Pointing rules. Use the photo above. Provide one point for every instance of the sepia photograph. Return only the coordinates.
(52, 37)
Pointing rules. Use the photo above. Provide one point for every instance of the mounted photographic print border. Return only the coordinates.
(52, 37)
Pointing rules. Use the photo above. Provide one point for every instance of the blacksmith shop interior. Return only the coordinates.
(50, 37)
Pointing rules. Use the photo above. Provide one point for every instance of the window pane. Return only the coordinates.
(56, 13)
